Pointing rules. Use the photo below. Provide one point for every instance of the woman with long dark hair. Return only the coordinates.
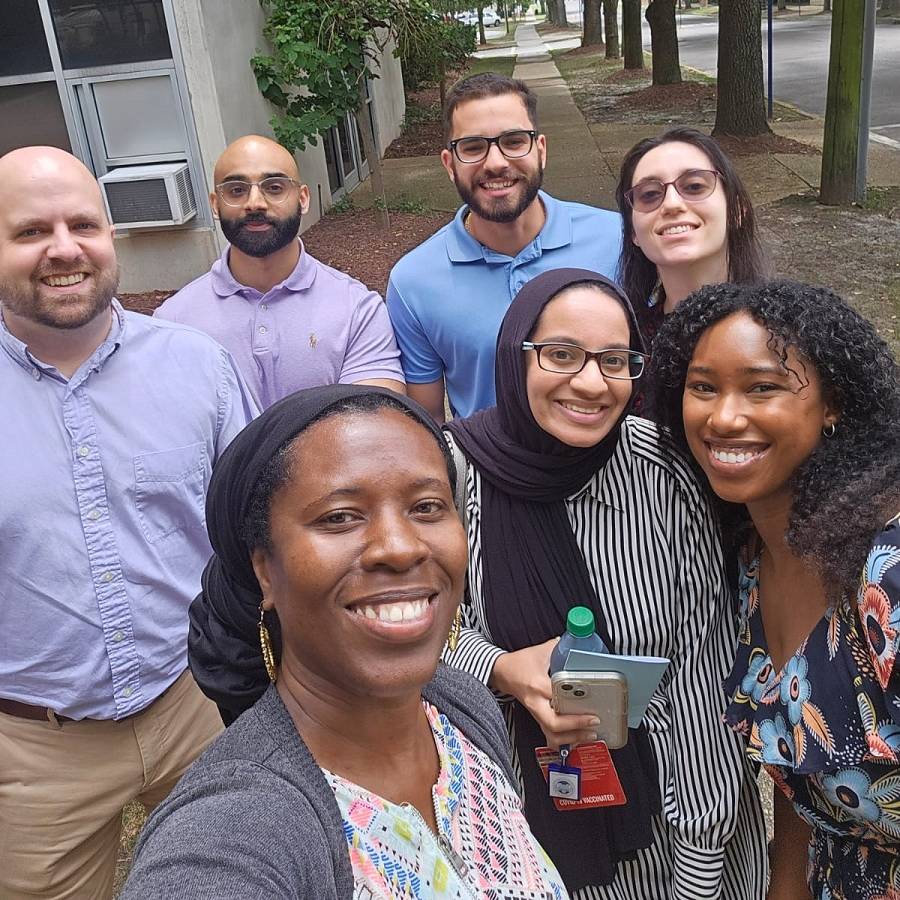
(789, 403)
(687, 220)
(569, 501)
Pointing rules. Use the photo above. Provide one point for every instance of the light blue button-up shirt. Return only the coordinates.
(448, 296)
(103, 481)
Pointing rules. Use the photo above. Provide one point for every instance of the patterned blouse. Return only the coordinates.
(827, 727)
(484, 848)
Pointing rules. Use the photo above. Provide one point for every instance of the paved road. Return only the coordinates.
(801, 47)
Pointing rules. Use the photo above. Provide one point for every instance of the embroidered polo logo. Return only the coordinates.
(313, 340)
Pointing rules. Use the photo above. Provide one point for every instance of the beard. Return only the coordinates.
(63, 311)
(506, 209)
(261, 243)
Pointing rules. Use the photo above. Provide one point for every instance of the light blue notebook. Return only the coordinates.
(643, 674)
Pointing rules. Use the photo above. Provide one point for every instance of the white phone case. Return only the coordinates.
(601, 694)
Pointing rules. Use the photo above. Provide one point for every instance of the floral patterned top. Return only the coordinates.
(484, 848)
(827, 726)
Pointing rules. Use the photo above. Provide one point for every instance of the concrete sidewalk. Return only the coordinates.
(583, 160)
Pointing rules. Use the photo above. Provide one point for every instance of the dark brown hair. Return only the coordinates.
(637, 274)
(488, 84)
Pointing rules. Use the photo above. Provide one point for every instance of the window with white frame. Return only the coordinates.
(103, 79)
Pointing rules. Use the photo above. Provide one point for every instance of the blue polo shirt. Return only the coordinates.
(448, 296)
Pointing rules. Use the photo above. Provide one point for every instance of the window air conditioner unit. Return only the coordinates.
(149, 196)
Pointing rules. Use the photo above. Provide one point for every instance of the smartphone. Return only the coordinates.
(601, 694)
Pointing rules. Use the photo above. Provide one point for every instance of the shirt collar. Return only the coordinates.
(19, 352)
(609, 484)
(557, 232)
(300, 279)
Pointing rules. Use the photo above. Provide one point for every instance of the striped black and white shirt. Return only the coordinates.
(655, 560)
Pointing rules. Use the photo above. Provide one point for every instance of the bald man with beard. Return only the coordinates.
(290, 321)
(111, 424)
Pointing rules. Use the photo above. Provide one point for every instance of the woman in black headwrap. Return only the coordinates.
(571, 502)
(365, 770)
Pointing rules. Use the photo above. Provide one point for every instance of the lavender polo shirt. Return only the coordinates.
(103, 480)
(318, 326)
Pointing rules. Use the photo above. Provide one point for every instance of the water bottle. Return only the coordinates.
(580, 634)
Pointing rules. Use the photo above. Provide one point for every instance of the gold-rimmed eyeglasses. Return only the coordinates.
(275, 189)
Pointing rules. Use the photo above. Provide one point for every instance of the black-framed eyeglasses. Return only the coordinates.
(512, 144)
(275, 189)
(693, 185)
(570, 359)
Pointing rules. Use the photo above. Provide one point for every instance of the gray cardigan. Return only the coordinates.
(254, 817)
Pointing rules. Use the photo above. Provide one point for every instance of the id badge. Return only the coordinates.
(586, 779)
(564, 781)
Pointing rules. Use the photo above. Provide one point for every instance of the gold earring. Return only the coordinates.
(455, 628)
(265, 642)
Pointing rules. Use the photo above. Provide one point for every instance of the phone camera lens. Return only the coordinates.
(566, 687)
(579, 693)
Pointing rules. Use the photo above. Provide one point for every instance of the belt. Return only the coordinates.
(27, 711)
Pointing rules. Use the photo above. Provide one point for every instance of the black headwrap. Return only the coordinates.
(223, 640)
(534, 572)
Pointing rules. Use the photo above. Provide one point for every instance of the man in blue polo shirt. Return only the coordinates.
(447, 297)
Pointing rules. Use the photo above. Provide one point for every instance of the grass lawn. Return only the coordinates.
(502, 65)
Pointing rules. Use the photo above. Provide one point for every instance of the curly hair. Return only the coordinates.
(255, 529)
(637, 274)
(849, 486)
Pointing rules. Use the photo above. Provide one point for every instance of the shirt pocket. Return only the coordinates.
(170, 490)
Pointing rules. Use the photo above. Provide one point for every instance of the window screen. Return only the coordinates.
(109, 32)
(22, 39)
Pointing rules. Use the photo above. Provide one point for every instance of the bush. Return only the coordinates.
(438, 47)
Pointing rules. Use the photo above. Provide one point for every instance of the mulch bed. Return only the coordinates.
(144, 302)
(671, 97)
(764, 143)
(352, 242)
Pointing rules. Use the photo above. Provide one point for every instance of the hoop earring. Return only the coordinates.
(265, 643)
(829, 430)
(455, 628)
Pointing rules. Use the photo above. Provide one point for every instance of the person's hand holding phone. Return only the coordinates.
(523, 675)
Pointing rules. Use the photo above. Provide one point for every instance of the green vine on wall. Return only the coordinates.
(322, 52)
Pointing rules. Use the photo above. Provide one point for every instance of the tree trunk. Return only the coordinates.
(741, 105)
(632, 39)
(481, 37)
(890, 6)
(374, 159)
(562, 19)
(840, 150)
(664, 42)
(826, 5)
(611, 27)
(551, 11)
(782, 4)
(592, 36)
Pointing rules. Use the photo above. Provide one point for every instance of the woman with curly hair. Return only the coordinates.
(687, 221)
(789, 403)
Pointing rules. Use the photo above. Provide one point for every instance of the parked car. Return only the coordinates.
(489, 17)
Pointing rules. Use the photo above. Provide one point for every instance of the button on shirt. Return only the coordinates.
(102, 534)
(318, 326)
(448, 296)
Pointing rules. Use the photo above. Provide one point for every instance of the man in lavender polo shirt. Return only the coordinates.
(290, 321)
(111, 424)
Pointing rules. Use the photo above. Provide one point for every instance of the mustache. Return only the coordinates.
(257, 219)
(77, 265)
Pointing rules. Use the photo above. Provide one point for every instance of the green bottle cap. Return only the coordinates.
(580, 622)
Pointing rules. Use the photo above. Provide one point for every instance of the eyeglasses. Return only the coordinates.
(570, 359)
(512, 144)
(275, 189)
(693, 185)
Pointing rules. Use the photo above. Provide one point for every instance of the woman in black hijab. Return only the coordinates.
(357, 765)
(570, 502)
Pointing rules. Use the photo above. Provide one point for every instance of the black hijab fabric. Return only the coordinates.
(534, 572)
(223, 640)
